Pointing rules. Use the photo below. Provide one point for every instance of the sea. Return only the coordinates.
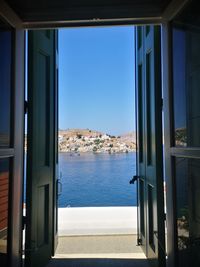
(97, 180)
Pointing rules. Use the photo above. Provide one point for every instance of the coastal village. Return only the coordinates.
(85, 140)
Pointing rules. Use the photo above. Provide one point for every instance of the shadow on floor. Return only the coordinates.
(98, 263)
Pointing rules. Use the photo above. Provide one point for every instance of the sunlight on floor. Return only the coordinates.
(98, 246)
(98, 251)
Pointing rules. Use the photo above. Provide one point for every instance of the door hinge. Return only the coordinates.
(25, 107)
(165, 216)
(134, 179)
(23, 222)
(139, 242)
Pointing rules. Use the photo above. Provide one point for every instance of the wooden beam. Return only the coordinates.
(7, 13)
(93, 22)
(186, 152)
(7, 152)
(173, 9)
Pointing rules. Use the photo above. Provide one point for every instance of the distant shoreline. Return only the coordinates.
(94, 153)
(86, 140)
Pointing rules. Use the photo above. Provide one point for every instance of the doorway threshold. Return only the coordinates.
(100, 246)
(99, 251)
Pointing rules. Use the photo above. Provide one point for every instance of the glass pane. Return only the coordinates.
(147, 29)
(4, 192)
(140, 113)
(179, 80)
(188, 211)
(149, 108)
(139, 36)
(5, 85)
(186, 78)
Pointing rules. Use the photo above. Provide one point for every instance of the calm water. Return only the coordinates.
(92, 180)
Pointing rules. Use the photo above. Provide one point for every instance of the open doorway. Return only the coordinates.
(97, 143)
(43, 184)
(97, 149)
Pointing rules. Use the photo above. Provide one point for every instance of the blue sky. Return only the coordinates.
(96, 79)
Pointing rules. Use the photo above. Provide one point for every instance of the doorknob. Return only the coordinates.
(59, 185)
(134, 179)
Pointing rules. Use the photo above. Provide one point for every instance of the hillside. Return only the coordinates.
(86, 140)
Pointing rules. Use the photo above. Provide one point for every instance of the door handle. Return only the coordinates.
(134, 179)
(59, 186)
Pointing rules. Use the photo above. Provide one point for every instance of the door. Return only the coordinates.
(149, 134)
(7, 153)
(40, 148)
(56, 175)
(185, 150)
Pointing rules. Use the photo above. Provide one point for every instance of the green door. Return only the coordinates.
(40, 148)
(56, 176)
(149, 134)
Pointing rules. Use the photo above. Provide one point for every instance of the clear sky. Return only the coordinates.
(96, 79)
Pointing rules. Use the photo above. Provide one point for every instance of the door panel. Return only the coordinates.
(56, 176)
(185, 35)
(40, 147)
(141, 167)
(149, 125)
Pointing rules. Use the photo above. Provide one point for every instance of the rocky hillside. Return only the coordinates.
(85, 140)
